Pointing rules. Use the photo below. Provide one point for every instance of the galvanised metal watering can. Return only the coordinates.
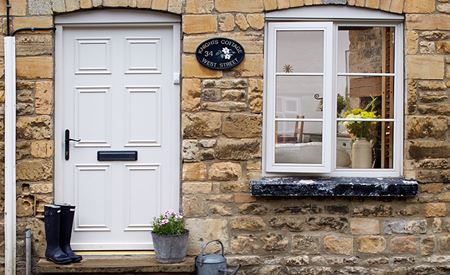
(213, 264)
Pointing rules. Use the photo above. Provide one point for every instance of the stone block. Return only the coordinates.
(244, 244)
(199, 6)
(199, 24)
(25, 206)
(305, 244)
(253, 209)
(226, 22)
(274, 242)
(234, 95)
(419, 6)
(248, 223)
(270, 5)
(194, 206)
(404, 245)
(298, 3)
(225, 171)
(435, 209)
(197, 187)
(256, 21)
(371, 244)
(252, 66)
(44, 97)
(34, 67)
(204, 229)
(220, 209)
(242, 126)
(255, 97)
(193, 69)
(424, 67)
(73, 5)
(434, 108)
(338, 245)
(42, 148)
(39, 7)
(232, 83)
(204, 124)
(34, 170)
(373, 4)
(191, 92)
(241, 21)
(224, 106)
(405, 227)
(443, 47)
(239, 6)
(18, 8)
(434, 35)
(161, 5)
(397, 6)
(427, 246)
(36, 127)
(426, 22)
(423, 127)
(237, 149)
(86, 4)
(144, 4)
(175, 6)
(58, 6)
(364, 226)
(428, 149)
(444, 8)
(194, 171)
(26, 44)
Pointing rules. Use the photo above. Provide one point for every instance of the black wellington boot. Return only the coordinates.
(52, 219)
(67, 214)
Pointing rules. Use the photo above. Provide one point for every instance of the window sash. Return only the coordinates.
(329, 120)
(271, 96)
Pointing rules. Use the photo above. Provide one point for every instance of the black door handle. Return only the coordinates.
(67, 141)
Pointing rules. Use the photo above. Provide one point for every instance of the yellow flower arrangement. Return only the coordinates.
(361, 129)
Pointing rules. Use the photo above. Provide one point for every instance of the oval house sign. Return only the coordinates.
(220, 53)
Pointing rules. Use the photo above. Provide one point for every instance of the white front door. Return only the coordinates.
(117, 93)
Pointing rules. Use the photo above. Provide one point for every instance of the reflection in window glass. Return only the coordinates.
(367, 93)
(363, 145)
(299, 96)
(298, 142)
(365, 49)
(300, 51)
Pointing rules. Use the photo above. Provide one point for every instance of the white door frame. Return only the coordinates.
(119, 18)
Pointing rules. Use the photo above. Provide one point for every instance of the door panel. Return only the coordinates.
(117, 88)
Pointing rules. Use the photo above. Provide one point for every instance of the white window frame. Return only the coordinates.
(323, 18)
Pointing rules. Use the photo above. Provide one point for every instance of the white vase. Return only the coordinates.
(361, 154)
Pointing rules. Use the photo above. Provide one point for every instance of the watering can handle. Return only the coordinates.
(213, 241)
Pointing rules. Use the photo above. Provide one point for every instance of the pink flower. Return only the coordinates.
(164, 221)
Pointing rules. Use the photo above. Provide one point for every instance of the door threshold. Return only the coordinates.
(115, 252)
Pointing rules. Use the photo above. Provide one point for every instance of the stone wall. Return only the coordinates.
(222, 126)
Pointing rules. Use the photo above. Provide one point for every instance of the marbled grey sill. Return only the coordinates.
(334, 187)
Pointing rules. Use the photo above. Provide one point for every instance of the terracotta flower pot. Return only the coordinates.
(170, 248)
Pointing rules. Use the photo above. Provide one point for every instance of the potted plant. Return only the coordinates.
(170, 237)
(361, 132)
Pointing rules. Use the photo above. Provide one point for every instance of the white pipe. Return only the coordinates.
(28, 251)
(10, 155)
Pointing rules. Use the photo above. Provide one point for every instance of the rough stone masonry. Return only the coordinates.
(221, 147)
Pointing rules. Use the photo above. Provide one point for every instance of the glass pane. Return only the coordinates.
(299, 96)
(300, 51)
(372, 93)
(366, 49)
(365, 145)
(298, 142)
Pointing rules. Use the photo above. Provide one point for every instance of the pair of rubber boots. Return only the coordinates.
(58, 231)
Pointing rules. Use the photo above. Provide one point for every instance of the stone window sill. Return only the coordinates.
(334, 187)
